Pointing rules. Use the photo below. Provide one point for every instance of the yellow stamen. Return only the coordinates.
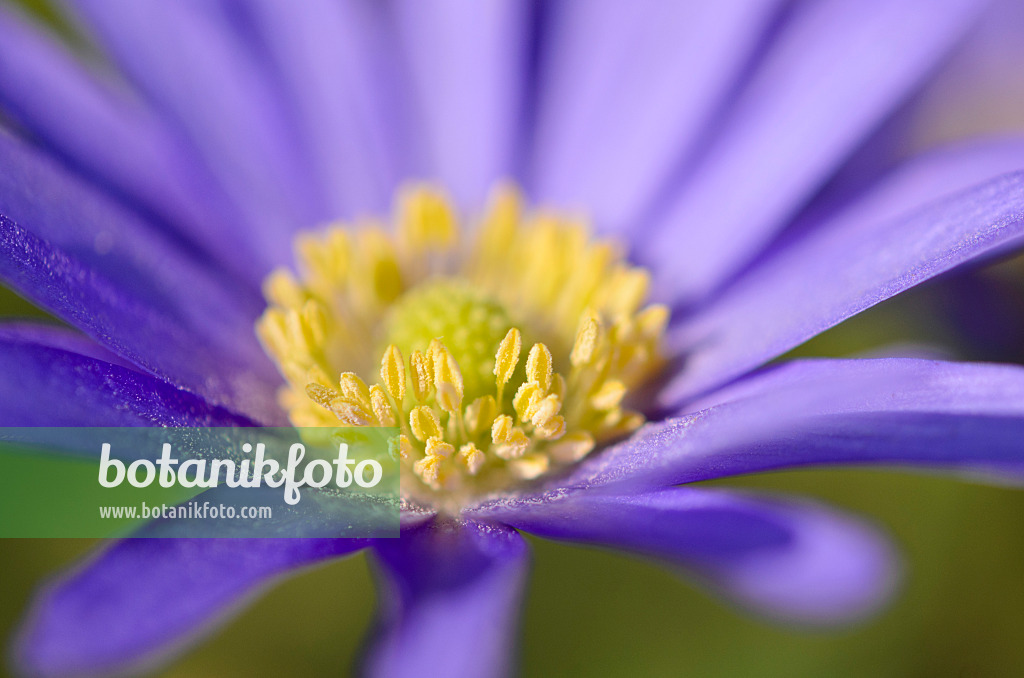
(424, 423)
(506, 359)
(422, 369)
(538, 366)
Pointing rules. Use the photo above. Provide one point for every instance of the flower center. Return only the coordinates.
(426, 332)
(470, 323)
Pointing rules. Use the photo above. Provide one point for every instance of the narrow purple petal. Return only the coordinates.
(49, 378)
(123, 283)
(54, 336)
(955, 417)
(613, 122)
(787, 559)
(888, 192)
(136, 332)
(335, 60)
(468, 63)
(137, 602)
(450, 601)
(190, 62)
(115, 139)
(837, 68)
(840, 269)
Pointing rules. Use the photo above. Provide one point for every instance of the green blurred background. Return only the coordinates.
(960, 610)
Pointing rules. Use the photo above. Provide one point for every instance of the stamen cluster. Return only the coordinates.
(473, 416)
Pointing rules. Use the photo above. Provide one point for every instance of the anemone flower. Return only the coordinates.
(544, 379)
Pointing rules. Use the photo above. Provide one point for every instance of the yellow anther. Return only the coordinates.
(271, 333)
(515, 446)
(472, 457)
(480, 414)
(282, 289)
(404, 446)
(326, 260)
(426, 219)
(321, 395)
(609, 396)
(353, 388)
(572, 447)
(523, 402)
(586, 340)
(447, 379)
(392, 373)
(552, 428)
(439, 448)
(424, 423)
(498, 231)
(295, 333)
(626, 290)
(539, 366)
(351, 413)
(501, 429)
(381, 406)
(429, 468)
(543, 409)
(531, 466)
(314, 318)
(377, 265)
(507, 357)
(652, 321)
(558, 386)
(317, 375)
(421, 369)
(619, 422)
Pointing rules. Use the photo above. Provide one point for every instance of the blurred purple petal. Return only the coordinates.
(450, 601)
(61, 338)
(50, 377)
(787, 559)
(837, 68)
(188, 60)
(115, 139)
(132, 252)
(614, 121)
(915, 182)
(137, 332)
(468, 64)
(123, 283)
(140, 601)
(334, 58)
(840, 269)
(957, 417)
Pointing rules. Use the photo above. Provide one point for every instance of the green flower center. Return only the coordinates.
(469, 322)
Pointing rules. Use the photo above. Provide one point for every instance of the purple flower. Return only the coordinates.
(144, 200)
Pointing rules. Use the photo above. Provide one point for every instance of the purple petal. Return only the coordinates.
(468, 61)
(887, 192)
(859, 259)
(835, 71)
(115, 139)
(334, 60)
(187, 58)
(123, 283)
(57, 337)
(614, 121)
(787, 559)
(49, 378)
(140, 600)
(959, 417)
(450, 601)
